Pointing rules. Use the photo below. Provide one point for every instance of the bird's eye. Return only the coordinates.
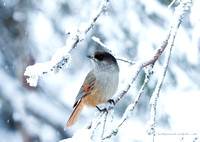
(100, 57)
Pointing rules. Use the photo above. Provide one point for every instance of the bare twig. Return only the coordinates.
(126, 61)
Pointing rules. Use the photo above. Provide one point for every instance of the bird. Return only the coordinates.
(99, 86)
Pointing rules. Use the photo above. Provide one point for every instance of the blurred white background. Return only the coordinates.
(31, 31)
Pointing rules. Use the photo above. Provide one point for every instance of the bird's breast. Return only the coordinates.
(104, 88)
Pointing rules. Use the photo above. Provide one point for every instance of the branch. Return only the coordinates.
(179, 14)
(171, 4)
(61, 57)
(141, 91)
(138, 67)
(180, 11)
(129, 111)
(96, 124)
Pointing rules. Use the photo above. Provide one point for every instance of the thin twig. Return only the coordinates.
(104, 124)
(126, 61)
(97, 40)
(94, 125)
(171, 4)
(141, 91)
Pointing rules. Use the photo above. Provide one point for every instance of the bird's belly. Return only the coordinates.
(95, 98)
(99, 96)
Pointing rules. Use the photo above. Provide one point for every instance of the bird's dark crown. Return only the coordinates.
(104, 56)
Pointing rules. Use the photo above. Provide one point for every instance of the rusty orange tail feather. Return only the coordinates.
(75, 115)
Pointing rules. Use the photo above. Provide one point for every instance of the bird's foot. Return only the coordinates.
(107, 106)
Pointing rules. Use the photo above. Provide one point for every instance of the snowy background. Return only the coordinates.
(31, 31)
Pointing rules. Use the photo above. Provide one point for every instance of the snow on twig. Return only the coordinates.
(171, 4)
(180, 11)
(139, 65)
(97, 40)
(94, 133)
(129, 110)
(61, 57)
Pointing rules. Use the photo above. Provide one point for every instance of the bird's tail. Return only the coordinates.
(75, 115)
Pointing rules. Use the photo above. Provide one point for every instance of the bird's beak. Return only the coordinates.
(91, 57)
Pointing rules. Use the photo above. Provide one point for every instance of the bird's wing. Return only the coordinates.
(87, 86)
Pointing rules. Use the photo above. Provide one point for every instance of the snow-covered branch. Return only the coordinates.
(99, 124)
(131, 107)
(129, 111)
(61, 57)
(180, 11)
